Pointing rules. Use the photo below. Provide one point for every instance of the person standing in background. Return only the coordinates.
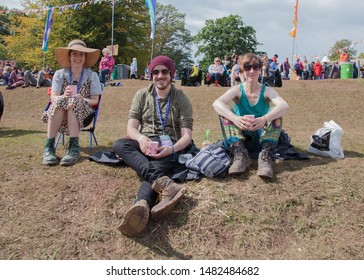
(134, 69)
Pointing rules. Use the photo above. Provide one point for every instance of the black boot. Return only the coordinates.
(73, 152)
(49, 156)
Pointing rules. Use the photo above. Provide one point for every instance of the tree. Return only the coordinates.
(171, 36)
(224, 36)
(338, 46)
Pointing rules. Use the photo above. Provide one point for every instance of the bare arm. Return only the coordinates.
(221, 107)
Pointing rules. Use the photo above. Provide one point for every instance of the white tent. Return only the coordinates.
(325, 59)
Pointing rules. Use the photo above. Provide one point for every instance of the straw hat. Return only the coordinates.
(62, 54)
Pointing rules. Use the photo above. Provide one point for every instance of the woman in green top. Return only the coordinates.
(253, 117)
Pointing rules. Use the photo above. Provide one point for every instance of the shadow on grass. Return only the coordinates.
(156, 238)
(10, 133)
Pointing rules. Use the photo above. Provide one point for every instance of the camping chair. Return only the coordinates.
(92, 118)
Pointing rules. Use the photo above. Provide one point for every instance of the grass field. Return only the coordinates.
(312, 209)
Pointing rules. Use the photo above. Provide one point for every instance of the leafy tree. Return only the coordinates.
(171, 36)
(338, 46)
(361, 56)
(93, 24)
(224, 36)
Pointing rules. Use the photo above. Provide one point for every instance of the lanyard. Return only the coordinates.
(79, 82)
(163, 122)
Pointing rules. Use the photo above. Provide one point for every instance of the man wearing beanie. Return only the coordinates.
(163, 114)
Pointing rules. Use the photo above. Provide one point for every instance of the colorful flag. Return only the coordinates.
(151, 4)
(294, 21)
(47, 29)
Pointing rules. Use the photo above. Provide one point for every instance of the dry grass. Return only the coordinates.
(311, 210)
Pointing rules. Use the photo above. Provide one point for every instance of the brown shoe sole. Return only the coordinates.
(160, 212)
(134, 221)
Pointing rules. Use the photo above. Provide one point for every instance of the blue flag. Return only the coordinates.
(47, 29)
(151, 4)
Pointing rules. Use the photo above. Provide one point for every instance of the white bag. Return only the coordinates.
(327, 141)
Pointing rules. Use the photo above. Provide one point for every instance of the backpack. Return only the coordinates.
(212, 161)
(295, 66)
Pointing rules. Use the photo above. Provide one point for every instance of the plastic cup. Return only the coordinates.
(73, 90)
(153, 148)
(250, 116)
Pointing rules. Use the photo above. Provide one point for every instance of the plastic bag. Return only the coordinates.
(327, 141)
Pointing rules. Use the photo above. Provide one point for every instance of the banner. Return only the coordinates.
(151, 4)
(294, 21)
(47, 29)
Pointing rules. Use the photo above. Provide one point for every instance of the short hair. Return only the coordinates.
(104, 50)
(249, 58)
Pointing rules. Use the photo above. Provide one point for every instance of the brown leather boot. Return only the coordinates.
(241, 159)
(135, 219)
(265, 161)
(170, 194)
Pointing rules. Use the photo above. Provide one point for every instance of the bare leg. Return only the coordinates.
(73, 124)
(55, 122)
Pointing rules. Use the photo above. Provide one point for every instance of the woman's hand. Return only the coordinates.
(244, 123)
(259, 123)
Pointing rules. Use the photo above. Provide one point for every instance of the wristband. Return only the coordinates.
(266, 119)
(141, 137)
(172, 150)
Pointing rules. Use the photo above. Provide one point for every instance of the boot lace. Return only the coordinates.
(267, 155)
(237, 152)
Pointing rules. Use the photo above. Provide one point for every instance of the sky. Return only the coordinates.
(320, 23)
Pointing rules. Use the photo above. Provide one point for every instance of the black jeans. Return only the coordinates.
(148, 168)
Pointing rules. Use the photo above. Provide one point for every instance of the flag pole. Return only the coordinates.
(112, 27)
(151, 53)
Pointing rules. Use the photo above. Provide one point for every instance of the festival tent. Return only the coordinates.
(325, 59)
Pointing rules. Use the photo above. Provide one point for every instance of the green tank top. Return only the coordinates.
(244, 107)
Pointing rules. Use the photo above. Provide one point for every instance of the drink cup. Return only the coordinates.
(73, 90)
(153, 147)
(251, 117)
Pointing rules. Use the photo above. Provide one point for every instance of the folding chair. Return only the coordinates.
(92, 118)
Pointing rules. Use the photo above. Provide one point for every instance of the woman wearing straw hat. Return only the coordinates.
(75, 89)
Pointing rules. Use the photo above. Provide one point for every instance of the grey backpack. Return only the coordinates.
(212, 161)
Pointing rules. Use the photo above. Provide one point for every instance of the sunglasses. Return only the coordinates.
(248, 67)
(164, 72)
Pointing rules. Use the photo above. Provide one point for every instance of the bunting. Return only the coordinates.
(47, 29)
(151, 4)
(294, 21)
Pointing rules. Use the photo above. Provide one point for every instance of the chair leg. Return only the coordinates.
(57, 141)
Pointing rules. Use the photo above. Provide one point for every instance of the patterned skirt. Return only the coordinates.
(80, 108)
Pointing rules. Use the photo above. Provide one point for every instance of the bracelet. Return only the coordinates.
(172, 150)
(140, 138)
(266, 119)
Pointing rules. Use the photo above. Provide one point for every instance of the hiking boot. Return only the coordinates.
(170, 194)
(49, 155)
(135, 219)
(241, 159)
(265, 161)
(73, 152)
